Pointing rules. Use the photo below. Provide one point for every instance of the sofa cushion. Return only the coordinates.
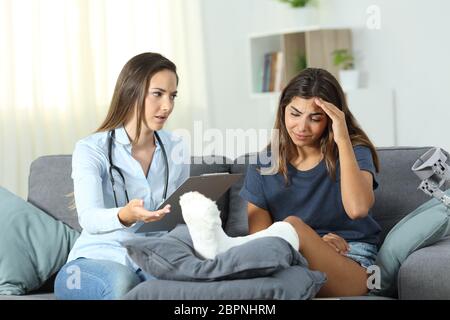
(38, 296)
(397, 194)
(395, 197)
(214, 164)
(424, 274)
(424, 226)
(50, 187)
(172, 257)
(238, 206)
(33, 245)
(293, 283)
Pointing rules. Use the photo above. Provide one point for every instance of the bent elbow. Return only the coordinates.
(358, 213)
(86, 225)
(87, 222)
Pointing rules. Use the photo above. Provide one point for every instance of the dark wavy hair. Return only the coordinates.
(310, 83)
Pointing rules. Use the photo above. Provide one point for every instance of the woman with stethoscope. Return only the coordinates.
(121, 174)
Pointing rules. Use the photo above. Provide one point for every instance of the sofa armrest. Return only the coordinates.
(425, 274)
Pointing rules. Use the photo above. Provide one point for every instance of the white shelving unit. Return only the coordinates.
(315, 43)
(373, 108)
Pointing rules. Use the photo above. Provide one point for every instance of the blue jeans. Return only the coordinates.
(89, 279)
(363, 253)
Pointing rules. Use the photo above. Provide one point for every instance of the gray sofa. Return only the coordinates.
(424, 275)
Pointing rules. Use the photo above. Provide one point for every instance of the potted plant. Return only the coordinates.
(348, 75)
(300, 62)
(304, 12)
(296, 3)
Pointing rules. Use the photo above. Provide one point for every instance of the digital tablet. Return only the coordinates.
(212, 186)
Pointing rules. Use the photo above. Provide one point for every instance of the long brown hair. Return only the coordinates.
(309, 83)
(131, 90)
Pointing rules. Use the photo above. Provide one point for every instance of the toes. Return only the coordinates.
(187, 198)
(196, 208)
(195, 198)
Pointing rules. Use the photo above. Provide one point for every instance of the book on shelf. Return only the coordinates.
(266, 72)
(273, 71)
(279, 71)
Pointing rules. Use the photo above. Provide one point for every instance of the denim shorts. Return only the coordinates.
(363, 253)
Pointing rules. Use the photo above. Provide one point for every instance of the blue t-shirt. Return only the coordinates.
(312, 196)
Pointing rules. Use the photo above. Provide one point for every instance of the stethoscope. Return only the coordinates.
(111, 136)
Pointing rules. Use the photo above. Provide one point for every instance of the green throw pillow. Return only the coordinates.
(33, 245)
(424, 226)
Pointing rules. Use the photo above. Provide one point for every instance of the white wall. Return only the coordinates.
(227, 26)
(409, 54)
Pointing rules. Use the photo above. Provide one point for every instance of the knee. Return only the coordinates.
(87, 280)
(299, 225)
(294, 220)
(68, 282)
(120, 286)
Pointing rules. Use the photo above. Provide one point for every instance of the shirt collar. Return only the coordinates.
(122, 137)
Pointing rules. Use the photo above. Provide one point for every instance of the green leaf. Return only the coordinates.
(296, 3)
(301, 62)
(343, 59)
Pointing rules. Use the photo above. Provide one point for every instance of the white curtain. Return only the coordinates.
(59, 60)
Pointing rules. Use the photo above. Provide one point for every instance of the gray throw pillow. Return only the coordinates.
(293, 283)
(424, 226)
(172, 257)
(33, 245)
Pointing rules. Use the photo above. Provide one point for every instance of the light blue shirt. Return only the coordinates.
(102, 231)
